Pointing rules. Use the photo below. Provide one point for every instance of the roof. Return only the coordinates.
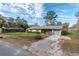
(44, 27)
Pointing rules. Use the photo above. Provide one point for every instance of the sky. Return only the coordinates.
(34, 12)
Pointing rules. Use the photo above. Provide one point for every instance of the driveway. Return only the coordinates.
(7, 49)
(47, 47)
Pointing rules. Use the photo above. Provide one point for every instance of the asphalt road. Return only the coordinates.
(7, 49)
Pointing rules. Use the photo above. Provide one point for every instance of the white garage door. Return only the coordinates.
(57, 32)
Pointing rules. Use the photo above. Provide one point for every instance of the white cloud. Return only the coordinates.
(74, 4)
(64, 11)
(0, 5)
(14, 1)
(66, 17)
(2, 13)
(30, 10)
(33, 10)
(39, 10)
(24, 9)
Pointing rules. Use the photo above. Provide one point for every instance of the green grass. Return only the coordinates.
(21, 38)
(29, 35)
(72, 46)
(21, 33)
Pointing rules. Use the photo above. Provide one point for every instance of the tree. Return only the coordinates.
(77, 24)
(2, 22)
(17, 22)
(50, 17)
(9, 22)
(77, 15)
(65, 26)
(65, 29)
(59, 23)
(36, 24)
(17, 18)
(10, 19)
(21, 23)
(24, 24)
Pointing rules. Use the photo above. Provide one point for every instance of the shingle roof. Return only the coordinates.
(45, 27)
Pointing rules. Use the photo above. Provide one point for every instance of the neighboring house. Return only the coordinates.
(46, 29)
(4, 30)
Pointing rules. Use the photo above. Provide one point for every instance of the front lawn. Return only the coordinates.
(21, 38)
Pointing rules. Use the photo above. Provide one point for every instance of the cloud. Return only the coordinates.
(31, 11)
(67, 17)
(74, 4)
(14, 1)
(0, 5)
(39, 9)
(2, 13)
(64, 11)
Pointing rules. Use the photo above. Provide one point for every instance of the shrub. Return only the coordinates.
(1, 37)
(64, 32)
(38, 37)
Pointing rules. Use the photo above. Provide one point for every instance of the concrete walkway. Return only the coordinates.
(47, 47)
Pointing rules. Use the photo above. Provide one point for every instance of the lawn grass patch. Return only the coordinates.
(22, 38)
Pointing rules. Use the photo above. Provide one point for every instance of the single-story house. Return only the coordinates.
(46, 29)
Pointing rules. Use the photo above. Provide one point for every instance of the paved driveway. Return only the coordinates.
(48, 47)
(7, 49)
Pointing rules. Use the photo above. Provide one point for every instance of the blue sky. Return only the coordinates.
(34, 12)
(66, 12)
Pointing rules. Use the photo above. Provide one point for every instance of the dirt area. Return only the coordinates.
(70, 46)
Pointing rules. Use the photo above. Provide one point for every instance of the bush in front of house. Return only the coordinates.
(64, 32)
(38, 37)
(1, 37)
(33, 37)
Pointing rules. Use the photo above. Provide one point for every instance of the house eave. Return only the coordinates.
(44, 27)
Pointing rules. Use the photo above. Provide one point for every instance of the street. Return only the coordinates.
(7, 49)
